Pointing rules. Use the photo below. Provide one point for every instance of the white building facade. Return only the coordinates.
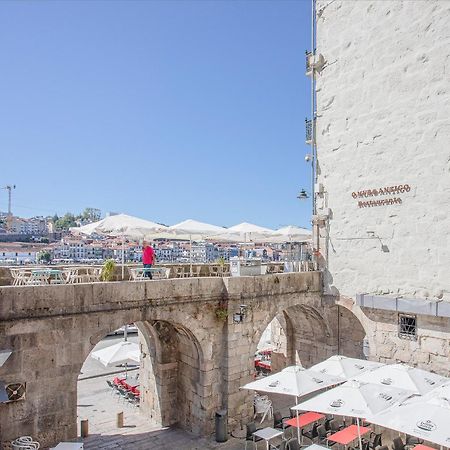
(382, 228)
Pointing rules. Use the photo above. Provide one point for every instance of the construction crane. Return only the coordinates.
(9, 187)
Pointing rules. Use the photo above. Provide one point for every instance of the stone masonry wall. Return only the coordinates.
(192, 363)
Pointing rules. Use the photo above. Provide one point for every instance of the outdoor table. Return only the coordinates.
(263, 364)
(422, 447)
(132, 382)
(348, 434)
(304, 419)
(52, 276)
(139, 273)
(69, 446)
(267, 434)
(316, 447)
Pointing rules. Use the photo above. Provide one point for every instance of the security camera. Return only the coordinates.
(308, 157)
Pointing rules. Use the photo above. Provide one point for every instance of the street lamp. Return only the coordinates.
(303, 195)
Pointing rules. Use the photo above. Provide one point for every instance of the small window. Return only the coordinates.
(407, 326)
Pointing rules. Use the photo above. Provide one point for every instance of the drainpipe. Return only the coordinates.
(316, 244)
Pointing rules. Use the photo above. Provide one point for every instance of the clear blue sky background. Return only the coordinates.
(166, 110)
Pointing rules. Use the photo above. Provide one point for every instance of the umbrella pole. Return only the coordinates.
(359, 434)
(190, 255)
(123, 257)
(298, 421)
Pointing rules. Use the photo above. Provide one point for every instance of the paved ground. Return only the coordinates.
(97, 404)
(100, 406)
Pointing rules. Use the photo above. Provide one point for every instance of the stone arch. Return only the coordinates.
(309, 334)
(315, 332)
(171, 375)
(353, 328)
(170, 372)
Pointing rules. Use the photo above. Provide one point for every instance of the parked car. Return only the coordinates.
(132, 328)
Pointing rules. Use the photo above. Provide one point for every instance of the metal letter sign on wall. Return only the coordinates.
(381, 192)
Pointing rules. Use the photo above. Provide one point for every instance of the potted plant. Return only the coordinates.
(221, 313)
(108, 270)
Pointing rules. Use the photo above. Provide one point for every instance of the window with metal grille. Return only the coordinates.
(407, 326)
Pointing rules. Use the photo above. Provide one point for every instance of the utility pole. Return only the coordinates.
(9, 187)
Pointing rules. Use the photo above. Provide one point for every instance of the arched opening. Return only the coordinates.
(109, 382)
(165, 383)
(307, 335)
(171, 376)
(352, 338)
(271, 350)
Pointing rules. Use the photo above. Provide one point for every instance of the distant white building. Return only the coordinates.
(204, 252)
(33, 226)
(15, 253)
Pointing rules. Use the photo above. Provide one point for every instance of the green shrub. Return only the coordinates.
(221, 314)
(108, 270)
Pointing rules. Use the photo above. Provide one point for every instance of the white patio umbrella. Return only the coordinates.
(244, 233)
(290, 233)
(355, 399)
(344, 367)
(193, 230)
(125, 352)
(293, 380)
(426, 417)
(124, 226)
(417, 381)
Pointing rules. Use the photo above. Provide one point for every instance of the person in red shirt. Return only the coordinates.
(148, 258)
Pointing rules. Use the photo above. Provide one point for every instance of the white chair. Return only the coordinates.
(214, 271)
(72, 275)
(263, 406)
(24, 443)
(20, 276)
(94, 273)
(15, 273)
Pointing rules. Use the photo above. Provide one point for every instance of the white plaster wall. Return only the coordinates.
(384, 120)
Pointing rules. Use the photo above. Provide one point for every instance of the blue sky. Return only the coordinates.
(166, 110)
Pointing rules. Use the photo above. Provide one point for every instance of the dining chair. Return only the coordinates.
(251, 428)
(375, 440)
(263, 406)
(213, 271)
(397, 443)
(279, 422)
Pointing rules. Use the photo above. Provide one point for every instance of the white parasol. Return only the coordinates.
(344, 367)
(124, 226)
(417, 381)
(355, 399)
